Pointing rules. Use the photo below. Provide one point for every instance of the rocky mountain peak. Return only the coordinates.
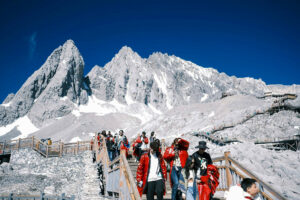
(60, 76)
(70, 51)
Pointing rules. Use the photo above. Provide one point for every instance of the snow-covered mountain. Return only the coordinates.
(127, 92)
(163, 82)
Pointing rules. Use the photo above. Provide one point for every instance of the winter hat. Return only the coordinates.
(202, 145)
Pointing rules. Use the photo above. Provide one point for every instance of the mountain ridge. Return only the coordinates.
(140, 87)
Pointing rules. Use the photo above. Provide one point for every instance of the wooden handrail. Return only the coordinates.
(102, 156)
(130, 177)
(218, 159)
(232, 166)
(269, 188)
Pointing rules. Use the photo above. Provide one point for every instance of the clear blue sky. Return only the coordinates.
(245, 38)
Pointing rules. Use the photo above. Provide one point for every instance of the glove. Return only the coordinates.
(140, 184)
(204, 179)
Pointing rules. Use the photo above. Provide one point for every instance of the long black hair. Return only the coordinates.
(188, 166)
(155, 146)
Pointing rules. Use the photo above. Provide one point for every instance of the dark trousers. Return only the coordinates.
(110, 155)
(155, 187)
(138, 152)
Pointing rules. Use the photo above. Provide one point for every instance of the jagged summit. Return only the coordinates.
(125, 50)
(69, 42)
(125, 58)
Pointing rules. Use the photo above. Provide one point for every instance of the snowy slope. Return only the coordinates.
(30, 173)
(204, 117)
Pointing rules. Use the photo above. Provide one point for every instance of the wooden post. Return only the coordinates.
(77, 149)
(228, 174)
(42, 196)
(19, 143)
(63, 196)
(32, 141)
(4, 144)
(47, 151)
(60, 148)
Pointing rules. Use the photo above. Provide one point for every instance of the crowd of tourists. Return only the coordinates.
(114, 143)
(191, 176)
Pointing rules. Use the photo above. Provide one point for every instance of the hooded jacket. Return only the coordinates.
(143, 171)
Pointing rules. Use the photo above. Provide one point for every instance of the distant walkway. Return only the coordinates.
(56, 149)
(284, 96)
(215, 140)
(283, 143)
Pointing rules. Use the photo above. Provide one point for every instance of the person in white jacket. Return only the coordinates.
(247, 191)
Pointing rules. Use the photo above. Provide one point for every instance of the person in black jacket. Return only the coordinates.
(110, 146)
(202, 159)
(152, 137)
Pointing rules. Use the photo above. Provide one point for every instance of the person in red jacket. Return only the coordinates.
(136, 147)
(151, 173)
(140, 146)
(177, 156)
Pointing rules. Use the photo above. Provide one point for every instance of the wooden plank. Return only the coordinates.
(114, 169)
(116, 160)
(218, 159)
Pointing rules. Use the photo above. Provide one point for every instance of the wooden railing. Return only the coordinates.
(57, 149)
(232, 173)
(119, 180)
